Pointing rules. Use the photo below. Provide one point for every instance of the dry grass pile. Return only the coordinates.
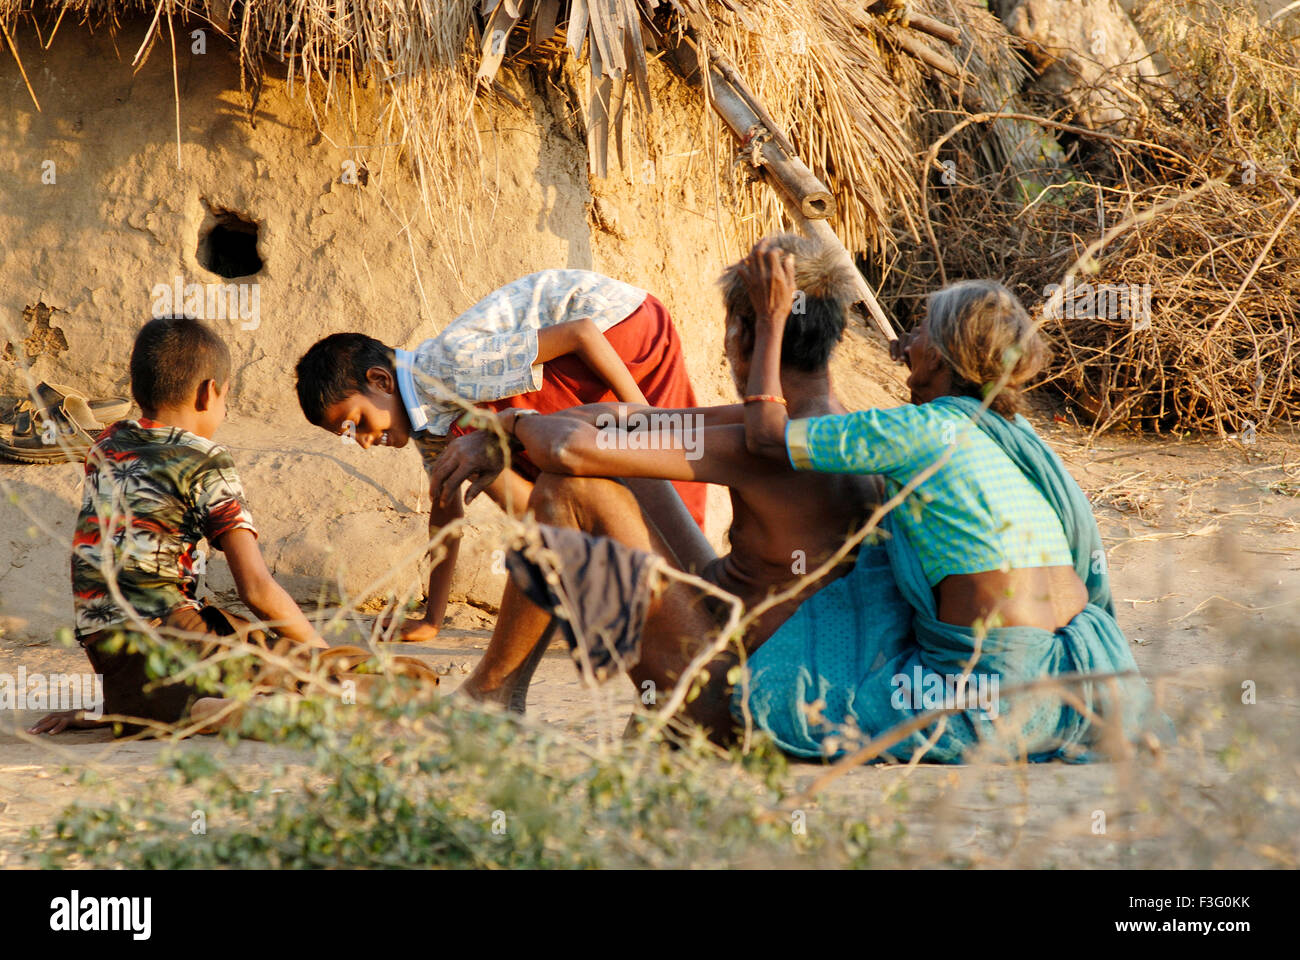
(858, 111)
(1181, 240)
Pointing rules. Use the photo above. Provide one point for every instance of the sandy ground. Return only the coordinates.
(1204, 549)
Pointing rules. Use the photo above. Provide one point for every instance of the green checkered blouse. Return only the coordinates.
(977, 512)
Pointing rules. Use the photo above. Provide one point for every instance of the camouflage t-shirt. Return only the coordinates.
(152, 492)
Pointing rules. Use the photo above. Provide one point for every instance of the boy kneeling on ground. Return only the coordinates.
(154, 488)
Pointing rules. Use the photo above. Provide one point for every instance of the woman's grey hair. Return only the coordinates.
(982, 332)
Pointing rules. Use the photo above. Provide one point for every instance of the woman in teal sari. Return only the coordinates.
(991, 574)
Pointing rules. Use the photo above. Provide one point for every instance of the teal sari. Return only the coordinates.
(868, 652)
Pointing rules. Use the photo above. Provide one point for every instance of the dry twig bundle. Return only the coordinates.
(1185, 320)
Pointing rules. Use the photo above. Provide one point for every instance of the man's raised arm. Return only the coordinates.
(769, 275)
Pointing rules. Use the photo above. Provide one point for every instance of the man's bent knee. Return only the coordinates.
(560, 500)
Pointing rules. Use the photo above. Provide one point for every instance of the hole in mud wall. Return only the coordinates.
(228, 246)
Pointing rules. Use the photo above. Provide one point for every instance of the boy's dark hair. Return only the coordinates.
(171, 357)
(828, 287)
(334, 368)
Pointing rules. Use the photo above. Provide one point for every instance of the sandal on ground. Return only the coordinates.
(62, 430)
(22, 414)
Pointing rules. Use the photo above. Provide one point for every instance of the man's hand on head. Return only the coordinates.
(768, 273)
(476, 457)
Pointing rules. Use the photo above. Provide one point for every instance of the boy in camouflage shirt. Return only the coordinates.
(154, 488)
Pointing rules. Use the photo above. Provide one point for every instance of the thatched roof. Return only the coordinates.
(850, 83)
(866, 94)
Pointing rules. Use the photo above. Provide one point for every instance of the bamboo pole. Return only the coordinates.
(807, 199)
(935, 28)
(821, 230)
(943, 64)
(799, 185)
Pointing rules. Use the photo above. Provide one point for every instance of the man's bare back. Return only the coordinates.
(783, 527)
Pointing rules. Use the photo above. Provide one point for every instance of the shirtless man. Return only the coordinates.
(1047, 596)
(778, 515)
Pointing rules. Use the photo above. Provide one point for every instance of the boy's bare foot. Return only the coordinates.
(53, 723)
(418, 631)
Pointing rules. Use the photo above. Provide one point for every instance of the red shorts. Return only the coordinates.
(649, 345)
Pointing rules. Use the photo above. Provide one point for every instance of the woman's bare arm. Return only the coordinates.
(568, 446)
